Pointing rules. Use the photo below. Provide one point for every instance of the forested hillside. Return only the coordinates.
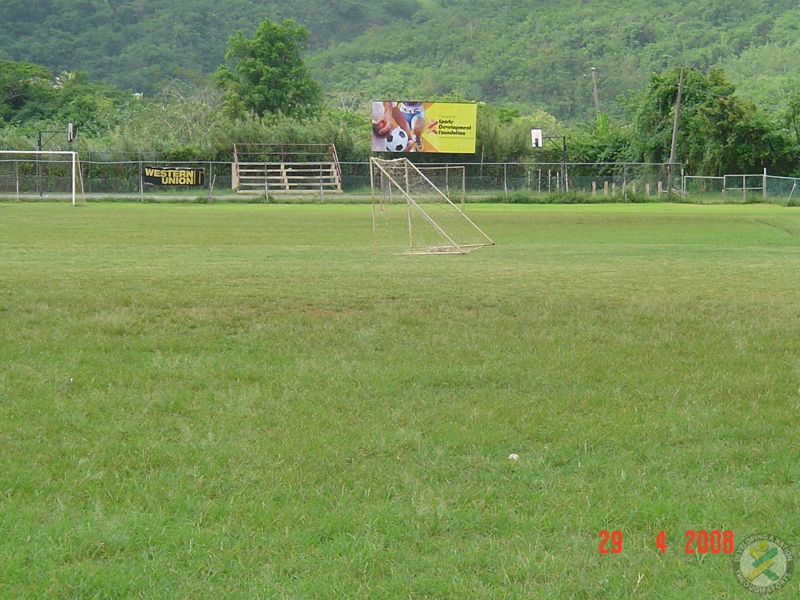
(134, 43)
(541, 52)
(523, 53)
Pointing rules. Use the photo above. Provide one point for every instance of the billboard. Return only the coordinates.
(174, 176)
(424, 127)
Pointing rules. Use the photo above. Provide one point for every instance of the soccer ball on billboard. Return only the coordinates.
(397, 140)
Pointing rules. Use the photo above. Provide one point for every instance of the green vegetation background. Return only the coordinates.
(529, 53)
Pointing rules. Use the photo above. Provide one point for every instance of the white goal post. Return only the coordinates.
(42, 173)
(412, 215)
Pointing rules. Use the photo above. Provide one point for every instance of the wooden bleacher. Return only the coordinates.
(286, 168)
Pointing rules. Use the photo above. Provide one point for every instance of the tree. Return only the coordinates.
(791, 116)
(269, 76)
(25, 90)
(718, 133)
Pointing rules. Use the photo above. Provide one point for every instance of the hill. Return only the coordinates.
(134, 43)
(526, 53)
(541, 52)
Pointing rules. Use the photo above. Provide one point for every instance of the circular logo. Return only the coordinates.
(763, 563)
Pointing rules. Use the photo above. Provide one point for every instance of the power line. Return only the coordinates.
(686, 87)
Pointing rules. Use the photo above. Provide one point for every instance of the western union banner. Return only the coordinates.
(424, 127)
(174, 176)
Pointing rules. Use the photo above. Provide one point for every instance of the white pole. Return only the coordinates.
(408, 209)
(372, 193)
(463, 189)
(505, 182)
(74, 172)
(683, 182)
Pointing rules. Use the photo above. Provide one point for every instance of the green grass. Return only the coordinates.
(243, 401)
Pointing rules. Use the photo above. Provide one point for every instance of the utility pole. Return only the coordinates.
(674, 146)
(594, 92)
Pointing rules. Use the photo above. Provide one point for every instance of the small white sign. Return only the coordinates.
(536, 138)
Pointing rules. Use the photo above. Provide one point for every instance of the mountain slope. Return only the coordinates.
(133, 43)
(541, 52)
(526, 53)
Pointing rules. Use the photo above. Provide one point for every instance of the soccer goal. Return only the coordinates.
(700, 185)
(782, 190)
(412, 215)
(45, 174)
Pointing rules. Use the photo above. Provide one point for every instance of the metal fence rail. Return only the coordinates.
(609, 179)
(505, 181)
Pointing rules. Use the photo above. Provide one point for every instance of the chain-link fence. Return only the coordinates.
(126, 177)
(742, 189)
(782, 190)
(104, 175)
(507, 179)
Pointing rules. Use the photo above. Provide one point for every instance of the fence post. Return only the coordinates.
(624, 182)
(266, 182)
(463, 189)
(764, 187)
(505, 181)
(683, 182)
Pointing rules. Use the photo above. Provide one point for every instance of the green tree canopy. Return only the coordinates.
(717, 133)
(25, 90)
(269, 76)
(31, 97)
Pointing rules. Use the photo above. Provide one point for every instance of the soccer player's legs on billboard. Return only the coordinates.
(414, 116)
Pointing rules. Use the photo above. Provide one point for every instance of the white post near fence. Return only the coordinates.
(505, 181)
(74, 177)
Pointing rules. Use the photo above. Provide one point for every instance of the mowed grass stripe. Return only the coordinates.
(244, 401)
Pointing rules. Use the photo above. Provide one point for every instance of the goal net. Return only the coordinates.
(32, 174)
(412, 214)
(700, 185)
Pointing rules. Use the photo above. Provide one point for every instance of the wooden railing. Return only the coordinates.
(286, 168)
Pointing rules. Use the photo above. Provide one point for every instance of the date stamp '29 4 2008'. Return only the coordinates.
(763, 563)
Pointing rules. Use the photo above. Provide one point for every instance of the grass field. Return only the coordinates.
(237, 401)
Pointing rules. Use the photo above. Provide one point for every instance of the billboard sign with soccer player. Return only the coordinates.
(424, 127)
